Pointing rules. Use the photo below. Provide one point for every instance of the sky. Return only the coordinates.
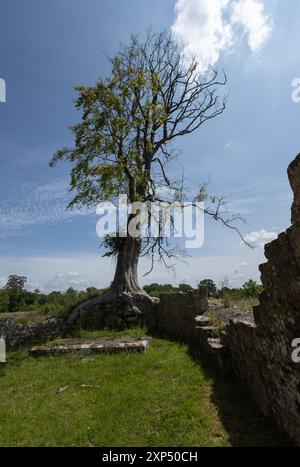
(47, 48)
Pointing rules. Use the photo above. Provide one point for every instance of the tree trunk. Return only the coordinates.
(126, 275)
(125, 299)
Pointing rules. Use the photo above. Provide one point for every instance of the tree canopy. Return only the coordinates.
(130, 121)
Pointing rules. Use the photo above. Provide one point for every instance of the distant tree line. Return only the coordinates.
(248, 290)
(15, 298)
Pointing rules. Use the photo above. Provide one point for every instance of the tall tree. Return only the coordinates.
(15, 286)
(123, 143)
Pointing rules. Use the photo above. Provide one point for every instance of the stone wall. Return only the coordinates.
(259, 350)
(177, 312)
(16, 334)
(261, 353)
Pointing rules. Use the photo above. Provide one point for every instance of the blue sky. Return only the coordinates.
(48, 47)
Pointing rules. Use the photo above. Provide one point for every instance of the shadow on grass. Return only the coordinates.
(239, 415)
(242, 420)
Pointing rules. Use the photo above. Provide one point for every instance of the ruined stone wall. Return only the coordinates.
(17, 334)
(177, 312)
(261, 353)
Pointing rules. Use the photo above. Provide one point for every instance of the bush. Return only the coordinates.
(3, 301)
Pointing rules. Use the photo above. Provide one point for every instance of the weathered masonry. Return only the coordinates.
(260, 349)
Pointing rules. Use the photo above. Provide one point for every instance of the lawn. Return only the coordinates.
(164, 397)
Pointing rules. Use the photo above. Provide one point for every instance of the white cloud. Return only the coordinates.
(206, 28)
(63, 281)
(260, 238)
(73, 274)
(250, 14)
(200, 27)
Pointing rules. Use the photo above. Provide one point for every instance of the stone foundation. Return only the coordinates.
(92, 346)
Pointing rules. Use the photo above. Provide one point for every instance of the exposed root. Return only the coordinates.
(111, 310)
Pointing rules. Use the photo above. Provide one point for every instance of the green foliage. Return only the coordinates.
(211, 287)
(4, 301)
(184, 287)
(249, 289)
(14, 299)
(15, 291)
(243, 298)
(252, 289)
(119, 116)
(16, 283)
(155, 290)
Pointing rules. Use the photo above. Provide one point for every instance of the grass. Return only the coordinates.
(243, 304)
(25, 317)
(164, 397)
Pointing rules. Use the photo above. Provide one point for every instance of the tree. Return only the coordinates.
(3, 301)
(211, 287)
(251, 289)
(15, 286)
(155, 290)
(184, 287)
(123, 143)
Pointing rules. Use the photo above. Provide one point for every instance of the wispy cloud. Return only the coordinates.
(206, 28)
(250, 14)
(201, 28)
(32, 204)
(64, 281)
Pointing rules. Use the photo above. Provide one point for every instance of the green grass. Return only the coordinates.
(164, 397)
(243, 304)
(25, 317)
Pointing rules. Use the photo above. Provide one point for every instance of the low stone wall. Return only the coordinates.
(177, 312)
(16, 334)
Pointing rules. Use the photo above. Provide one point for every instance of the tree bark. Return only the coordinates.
(125, 292)
(126, 275)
